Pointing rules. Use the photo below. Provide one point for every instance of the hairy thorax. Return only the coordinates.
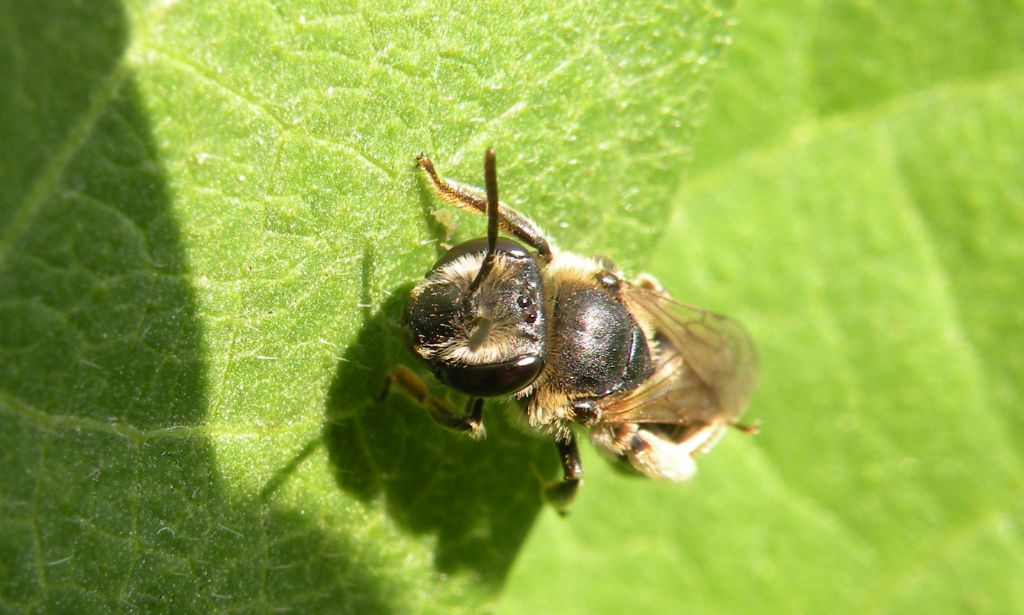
(596, 348)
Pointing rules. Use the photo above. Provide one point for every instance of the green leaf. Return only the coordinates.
(859, 205)
(209, 217)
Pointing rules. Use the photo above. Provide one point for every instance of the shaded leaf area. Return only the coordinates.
(111, 498)
(478, 498)
(209, 217)
(871, 236)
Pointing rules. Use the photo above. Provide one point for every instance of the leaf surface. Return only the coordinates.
(210, 218)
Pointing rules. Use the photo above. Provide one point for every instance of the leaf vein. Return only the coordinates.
(47, 181)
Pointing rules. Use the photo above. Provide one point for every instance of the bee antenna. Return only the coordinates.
(491, 184)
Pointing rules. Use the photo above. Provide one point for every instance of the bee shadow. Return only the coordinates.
(478, 497)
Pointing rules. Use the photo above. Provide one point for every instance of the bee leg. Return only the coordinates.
(657, 457)
(750, 429)
(439, 409)
(561, 494)
(468, 199)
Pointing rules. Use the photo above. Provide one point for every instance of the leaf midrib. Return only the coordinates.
(52, 172)
(53, 422)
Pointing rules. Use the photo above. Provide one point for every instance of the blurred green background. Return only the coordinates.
(210, 216)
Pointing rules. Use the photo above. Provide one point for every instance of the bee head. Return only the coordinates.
(483, 337)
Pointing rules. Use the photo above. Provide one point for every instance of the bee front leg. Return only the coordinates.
(561, 494)
(469, 199)
(439, 409)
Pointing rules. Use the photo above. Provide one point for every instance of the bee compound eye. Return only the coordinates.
(492, 379)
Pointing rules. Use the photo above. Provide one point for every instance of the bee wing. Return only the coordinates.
(706, 365)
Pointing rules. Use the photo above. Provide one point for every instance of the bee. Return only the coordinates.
(656, 382)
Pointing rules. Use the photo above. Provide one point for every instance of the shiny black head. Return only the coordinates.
(484, 336)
